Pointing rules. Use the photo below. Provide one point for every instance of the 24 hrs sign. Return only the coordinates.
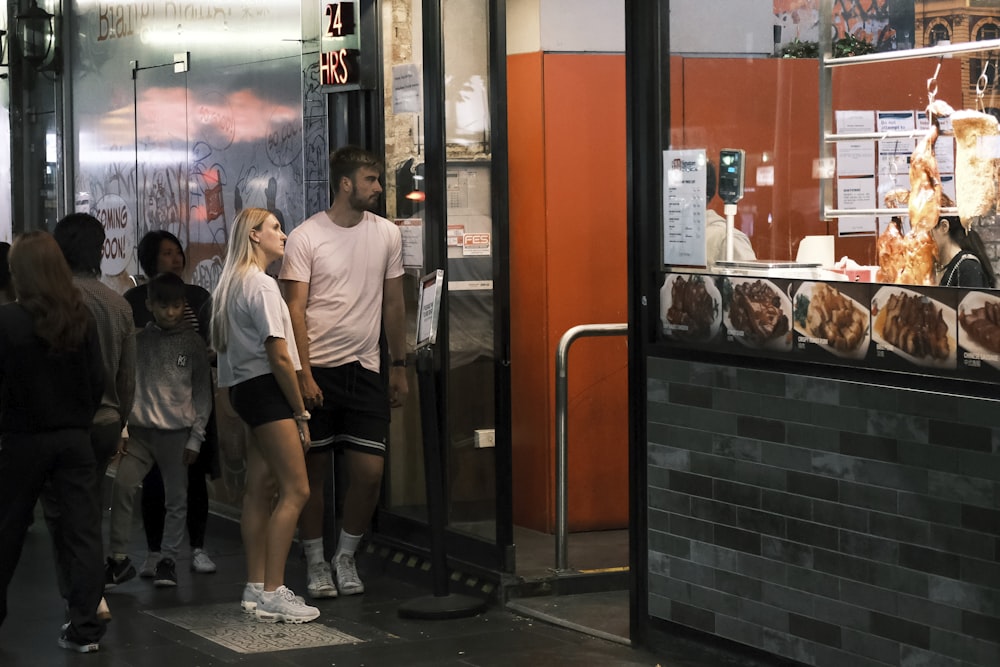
(340, 58)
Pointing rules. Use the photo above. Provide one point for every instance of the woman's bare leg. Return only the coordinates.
(258, 494)
(279, 445)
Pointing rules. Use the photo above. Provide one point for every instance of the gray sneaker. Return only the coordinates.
(201, 563)
(283, 606)
(348, 581)
(320, 581)
(148, 569)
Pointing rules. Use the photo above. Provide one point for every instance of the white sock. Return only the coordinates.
(314, 551)
(348, 543)
(254, 585)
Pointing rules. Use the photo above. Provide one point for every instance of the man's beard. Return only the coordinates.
(360, 204)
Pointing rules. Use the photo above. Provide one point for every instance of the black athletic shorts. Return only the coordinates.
(260, 400)
(355, 410)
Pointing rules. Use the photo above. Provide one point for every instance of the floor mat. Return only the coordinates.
(229, 627)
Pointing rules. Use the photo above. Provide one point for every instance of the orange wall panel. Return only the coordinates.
(568, 179)
(533, 499)
(587, 211)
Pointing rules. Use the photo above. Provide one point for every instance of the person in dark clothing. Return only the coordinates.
(961, 255)
(161, 252)
(51, 383)
(81, 237)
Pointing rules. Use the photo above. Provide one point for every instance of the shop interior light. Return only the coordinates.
(417, 194)
(36, 35)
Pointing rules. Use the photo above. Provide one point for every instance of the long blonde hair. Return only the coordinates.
(44, 286)
(242, 258)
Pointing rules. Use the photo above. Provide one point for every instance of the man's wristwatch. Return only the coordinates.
(303, 416)
(399, 363)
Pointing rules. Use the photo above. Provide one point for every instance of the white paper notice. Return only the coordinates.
(406, 89)
(894, 121)
(948, 185)
(412, 232)
(894, 157)
(684, 204)
(849, 122)
(944, 151)
(855, 158)
(856, 193)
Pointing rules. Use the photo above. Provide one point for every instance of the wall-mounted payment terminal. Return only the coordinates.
(731, 174)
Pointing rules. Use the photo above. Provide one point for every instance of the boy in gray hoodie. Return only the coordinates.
(166, 426)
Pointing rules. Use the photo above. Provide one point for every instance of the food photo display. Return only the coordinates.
(690, 308)
(828, 319)
(757, 314)
(914, 327)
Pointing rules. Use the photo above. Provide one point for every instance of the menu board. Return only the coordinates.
(940, 331)
(684, 201)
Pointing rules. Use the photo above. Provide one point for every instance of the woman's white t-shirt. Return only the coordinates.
(256, 312)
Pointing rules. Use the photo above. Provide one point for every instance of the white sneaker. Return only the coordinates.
(201, 563)
(251, 596)
(320, 582)
(348, 581)
(284, 606)
(148, 570)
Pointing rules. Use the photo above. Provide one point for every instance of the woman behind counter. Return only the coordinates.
(51, 382)
(962, 255)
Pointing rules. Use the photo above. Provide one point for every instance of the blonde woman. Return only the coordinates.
(252, 333)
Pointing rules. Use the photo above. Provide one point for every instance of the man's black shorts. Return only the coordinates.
(355, 410)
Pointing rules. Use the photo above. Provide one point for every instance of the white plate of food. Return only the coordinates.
(759, 314)
(690, 307)
(979, 326)
(832, 320)
(915, 327)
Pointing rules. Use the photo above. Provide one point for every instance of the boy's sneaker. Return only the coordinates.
(166, 573)
(71, 644)
(117, 572)
(284, 606)
(148, 569)
(201, 563)
(320, 581)
(348, 581)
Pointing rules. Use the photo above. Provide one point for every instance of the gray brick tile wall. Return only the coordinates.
(824, 521)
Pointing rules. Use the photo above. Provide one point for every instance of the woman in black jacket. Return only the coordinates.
(51, 380)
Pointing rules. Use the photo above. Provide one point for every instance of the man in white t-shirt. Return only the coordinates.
(342, 276)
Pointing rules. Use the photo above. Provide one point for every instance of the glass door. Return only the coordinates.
(440, 186)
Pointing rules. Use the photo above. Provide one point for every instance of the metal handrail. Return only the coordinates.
(562, 389)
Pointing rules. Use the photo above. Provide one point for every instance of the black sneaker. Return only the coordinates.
(73, 644)
(166, 573)
(117, 572)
